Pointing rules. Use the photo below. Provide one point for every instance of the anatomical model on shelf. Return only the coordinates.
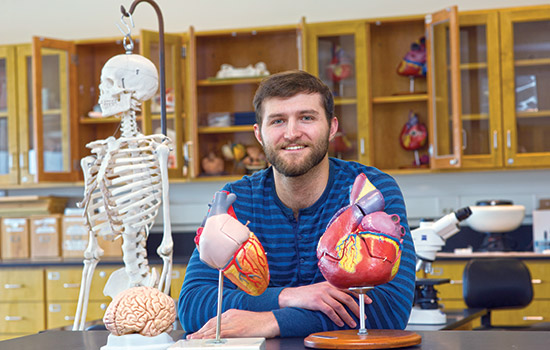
(413, 65)
(126, 182)
(228, 71)
(413, 137)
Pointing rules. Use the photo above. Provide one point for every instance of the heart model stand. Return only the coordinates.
(362, 339)
(219, 343)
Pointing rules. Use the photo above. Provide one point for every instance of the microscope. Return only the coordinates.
(428, 239)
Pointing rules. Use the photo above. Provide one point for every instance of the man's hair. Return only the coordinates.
(288, 84)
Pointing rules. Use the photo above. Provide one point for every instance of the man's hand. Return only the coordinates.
(323, 297)
(239, 323)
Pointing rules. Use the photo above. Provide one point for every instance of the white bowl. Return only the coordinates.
(495, 218)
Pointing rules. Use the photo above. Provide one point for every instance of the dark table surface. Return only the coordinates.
(433, 340)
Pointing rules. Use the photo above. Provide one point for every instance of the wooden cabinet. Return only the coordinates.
(21, 302)
(336, 53)
(62, 290)
(502, 72)
(394, 97)
(224, 110)
(538, 310)
(37, 298)
(39, 138)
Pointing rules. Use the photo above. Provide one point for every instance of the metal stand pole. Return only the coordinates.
(162, 74)
(361, 291)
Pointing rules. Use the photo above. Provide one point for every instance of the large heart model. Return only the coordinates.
(362, 244)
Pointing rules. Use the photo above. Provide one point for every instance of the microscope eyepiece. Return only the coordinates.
(463, 213)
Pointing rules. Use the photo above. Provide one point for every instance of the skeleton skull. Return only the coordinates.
(125, 78)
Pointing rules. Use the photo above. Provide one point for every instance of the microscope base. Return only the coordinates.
(427, 316)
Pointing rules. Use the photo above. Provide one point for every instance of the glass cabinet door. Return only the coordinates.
(525, 44)
(335, 52)
(480, 90)
(444, 88)
(8, 116)
(151, 110)
(54, 109)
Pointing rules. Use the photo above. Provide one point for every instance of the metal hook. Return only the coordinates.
(128, 43)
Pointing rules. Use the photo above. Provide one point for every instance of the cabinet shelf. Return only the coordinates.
(532, 62)
(479, 116)
(51, 111)
(229, 81)
(401, 98)
(473, 65)
(538, 114)
(345, 101)
(3, 113)
(225, 129)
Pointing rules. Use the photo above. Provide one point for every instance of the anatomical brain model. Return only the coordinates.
(140, 310)
(362, 244)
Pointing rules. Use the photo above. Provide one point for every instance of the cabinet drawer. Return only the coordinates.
(21, 285)
(540, 277)
(62, 314)
(452, 270)
(63, 284)
(178, 274)
(537, 311)
(22, 317)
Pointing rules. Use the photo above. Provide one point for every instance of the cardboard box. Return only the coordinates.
(75, 237)
(541, 231)
(45, 236)
(15, 238)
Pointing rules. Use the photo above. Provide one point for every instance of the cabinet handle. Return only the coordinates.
(68, 318)
(175, 274)
(533, 318)
(495, 139)
(71, 285)
(456, 282)
(13, 318)
(13, 286)
(464, 139)
(362, 145)
(536, 281)
(508, 139)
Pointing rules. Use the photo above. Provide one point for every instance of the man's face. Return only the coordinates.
(295, 133)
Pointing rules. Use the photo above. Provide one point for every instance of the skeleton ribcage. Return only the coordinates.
(125, 187)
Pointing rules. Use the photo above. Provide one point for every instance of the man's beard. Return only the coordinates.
(289, 169)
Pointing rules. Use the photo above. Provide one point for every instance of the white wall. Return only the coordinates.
(427, 195)
(78, 19)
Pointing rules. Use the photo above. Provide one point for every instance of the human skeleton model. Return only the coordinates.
(126, 181)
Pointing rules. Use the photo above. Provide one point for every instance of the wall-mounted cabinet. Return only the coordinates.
(38, 136)
(336, 53)
(503, 70)
(224, 110)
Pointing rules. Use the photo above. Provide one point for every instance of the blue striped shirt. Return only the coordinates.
(291, 246)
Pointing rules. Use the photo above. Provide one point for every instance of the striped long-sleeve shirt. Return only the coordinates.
(290, 244)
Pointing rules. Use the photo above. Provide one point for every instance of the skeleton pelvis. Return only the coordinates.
(120, 280)
(249, 269)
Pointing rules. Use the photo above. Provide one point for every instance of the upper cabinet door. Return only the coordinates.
(525, 41)
(8, 117)
(444, 108)
(151, 111)
(336, 53)
(481, 90)
(55, 123)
